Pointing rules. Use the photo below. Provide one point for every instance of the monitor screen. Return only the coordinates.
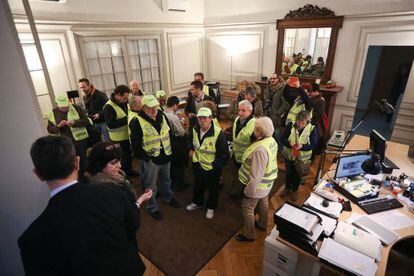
(377, 144)
(351, 165)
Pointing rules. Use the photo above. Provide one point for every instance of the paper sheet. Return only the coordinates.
(393, 220)
(353, 217)
(328, 224)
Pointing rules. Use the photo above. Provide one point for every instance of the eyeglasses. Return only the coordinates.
(112, 147)
(273, 79)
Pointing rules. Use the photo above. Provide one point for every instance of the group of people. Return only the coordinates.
(298, 65)
(135, 124)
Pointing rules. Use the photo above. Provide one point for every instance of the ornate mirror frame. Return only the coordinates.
(309, 17)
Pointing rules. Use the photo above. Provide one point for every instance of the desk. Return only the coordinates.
(398, 154)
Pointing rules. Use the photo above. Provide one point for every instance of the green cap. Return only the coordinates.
(204, 112)
(159, 94)
(150, 101)
(62, 100)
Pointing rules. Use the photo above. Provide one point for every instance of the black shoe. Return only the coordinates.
(156, 215)
(257, 225)
(242, 238)
(174, 203)
(133, 173)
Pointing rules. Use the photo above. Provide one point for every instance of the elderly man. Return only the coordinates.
(116, 116)
(209, 153)
(195, 102)
(134, 86)
(94, 102)
(85, 229)
(69, 120)
(242, 132)
(258, 173)
(150, 139)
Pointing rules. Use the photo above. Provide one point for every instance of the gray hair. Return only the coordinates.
(247, 104)
(264, 126)
(303, 115)
(133, 101)
(131, 82)
(251, 90)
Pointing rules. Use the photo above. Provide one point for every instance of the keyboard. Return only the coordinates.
(376, 205)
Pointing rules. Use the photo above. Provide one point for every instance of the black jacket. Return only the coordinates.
(290, 95)
(84, 230)
(137, 135)
(110, 115)
(222, 149)
(94, 104)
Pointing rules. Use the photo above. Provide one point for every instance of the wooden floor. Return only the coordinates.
(245, 258)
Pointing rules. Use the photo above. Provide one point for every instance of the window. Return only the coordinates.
(289, 43)
(113, 61)
(38, 78)
(322, 43)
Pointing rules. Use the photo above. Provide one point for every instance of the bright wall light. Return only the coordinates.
(238, 44)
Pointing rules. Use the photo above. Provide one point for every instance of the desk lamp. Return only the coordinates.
(384, 108)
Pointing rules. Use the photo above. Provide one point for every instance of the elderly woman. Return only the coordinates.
(299, 139)
(105, 167)
(257, 173)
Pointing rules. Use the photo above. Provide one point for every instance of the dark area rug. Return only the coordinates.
(183, 242)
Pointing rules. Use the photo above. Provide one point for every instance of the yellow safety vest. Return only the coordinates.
(271, 168)
(296, 108)
(293, 68)
(120, 133)
(302, 139)
(206, 90)
(78, 133)
(131, 115)
(304, 65)
(205, 153)
(242, 141)
(216, 123)
(152, 140)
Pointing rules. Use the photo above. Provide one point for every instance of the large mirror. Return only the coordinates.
(306, 43)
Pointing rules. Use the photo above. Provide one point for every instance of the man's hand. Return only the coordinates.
(299, 146)
(191, 115)
(70, 123)
(62, 123)
(95, 117)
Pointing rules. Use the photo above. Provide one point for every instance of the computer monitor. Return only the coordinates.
(350, 165)
(377, 144)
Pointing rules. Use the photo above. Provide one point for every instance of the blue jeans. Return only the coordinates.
(104, 131)
(278, 137)
(149, 174)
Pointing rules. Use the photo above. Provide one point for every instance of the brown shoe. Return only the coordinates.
(294, 196)
(284, 193)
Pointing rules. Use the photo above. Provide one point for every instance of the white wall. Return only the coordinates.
(148, 11)
(22, 196)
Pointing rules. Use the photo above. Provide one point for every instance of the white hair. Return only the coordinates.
(264, 126)
(131, 82)
(134, 101)
(247, 104)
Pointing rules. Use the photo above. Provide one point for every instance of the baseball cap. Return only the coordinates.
(150, 101)
(159, 94)
(62, 100)
(204, 112)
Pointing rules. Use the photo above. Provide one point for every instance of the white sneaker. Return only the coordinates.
(193, 207)
(210, 213)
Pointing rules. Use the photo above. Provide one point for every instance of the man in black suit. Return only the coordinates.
(85, 229)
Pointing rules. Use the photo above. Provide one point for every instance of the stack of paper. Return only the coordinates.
(347, 258)
(328, 223)
(298, 217)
